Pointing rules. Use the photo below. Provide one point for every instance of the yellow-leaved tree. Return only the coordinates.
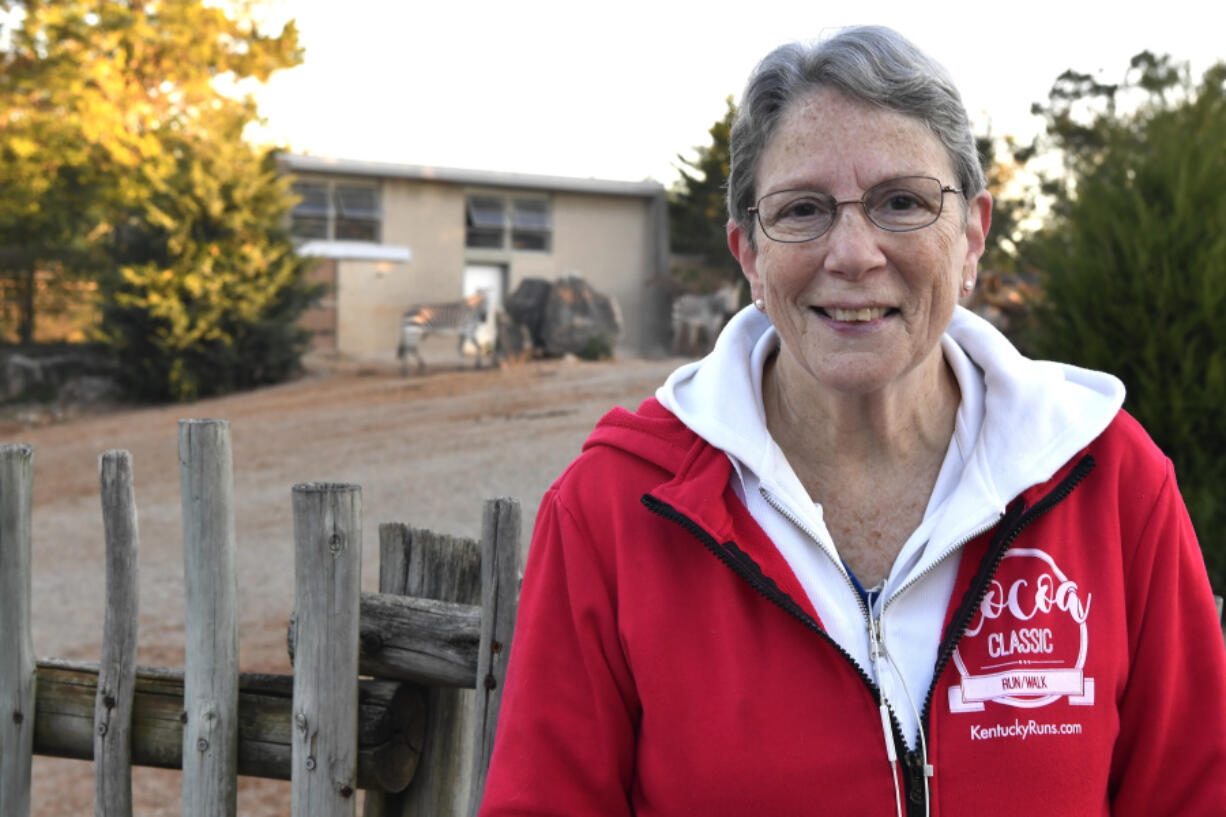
(124, 164)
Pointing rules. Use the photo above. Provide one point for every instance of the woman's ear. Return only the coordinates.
(740, 243)
(978, 222)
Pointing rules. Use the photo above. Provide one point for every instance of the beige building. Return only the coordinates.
(389, 236)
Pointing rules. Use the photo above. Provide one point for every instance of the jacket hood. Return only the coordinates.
(692, 472)
(653, 434)
(1036, 415)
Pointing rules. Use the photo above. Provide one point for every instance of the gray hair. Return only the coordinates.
(872, 64)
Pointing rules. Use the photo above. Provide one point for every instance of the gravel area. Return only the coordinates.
(425, 450)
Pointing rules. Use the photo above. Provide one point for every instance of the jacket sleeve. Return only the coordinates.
(1170, 755)
(565, 739)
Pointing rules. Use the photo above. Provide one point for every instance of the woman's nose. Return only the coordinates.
(852, 246)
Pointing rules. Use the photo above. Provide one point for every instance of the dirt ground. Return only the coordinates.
(425, 450)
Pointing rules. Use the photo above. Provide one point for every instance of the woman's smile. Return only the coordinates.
(863, 314)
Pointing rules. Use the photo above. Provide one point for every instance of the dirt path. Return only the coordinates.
(426, 451)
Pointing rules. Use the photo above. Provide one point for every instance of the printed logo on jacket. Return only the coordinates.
(1027, 643)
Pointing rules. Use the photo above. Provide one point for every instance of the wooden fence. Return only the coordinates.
(394, 692)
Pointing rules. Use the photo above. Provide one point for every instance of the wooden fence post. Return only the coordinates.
(499, 600)
(210, 697)
(117, 672)
(327, 587)
(17, 667)
(424, 564)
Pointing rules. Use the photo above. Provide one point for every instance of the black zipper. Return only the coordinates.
(1016, 519)
(743, 565)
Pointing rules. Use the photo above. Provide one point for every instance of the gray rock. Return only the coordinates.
(25, 373)
(89, 389)
(580, 321)
(526, 307)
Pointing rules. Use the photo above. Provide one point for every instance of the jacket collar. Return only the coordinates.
(696, 484)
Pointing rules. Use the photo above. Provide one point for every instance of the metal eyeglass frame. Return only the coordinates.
(862, 201)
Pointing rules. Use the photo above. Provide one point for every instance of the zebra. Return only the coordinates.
(697, 319)
(462, 318)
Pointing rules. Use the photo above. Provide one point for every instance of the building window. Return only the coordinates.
(486, 222)
(337, 211)
(311, 215)
(530, 224)
(357, 213)
(495, 222)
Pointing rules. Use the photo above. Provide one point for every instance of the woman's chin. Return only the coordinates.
(852, 375)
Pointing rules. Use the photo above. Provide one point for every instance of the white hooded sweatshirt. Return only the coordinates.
(1019, 420)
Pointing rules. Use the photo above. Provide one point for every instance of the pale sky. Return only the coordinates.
(617, 90)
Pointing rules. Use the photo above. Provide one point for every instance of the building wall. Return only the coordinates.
(372, 295)
(604, 239)
(321, 318)
(368, 308)
(428, 218)
(611, 241)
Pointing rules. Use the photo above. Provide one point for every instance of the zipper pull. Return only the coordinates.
(916, 763)
(876, 654)
(876, 646)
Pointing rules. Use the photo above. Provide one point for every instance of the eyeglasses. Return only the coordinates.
(897, 205)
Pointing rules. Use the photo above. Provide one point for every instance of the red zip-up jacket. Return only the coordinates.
(667, 662)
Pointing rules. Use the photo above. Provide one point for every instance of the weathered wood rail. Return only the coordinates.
(394, 692)
(391, 722)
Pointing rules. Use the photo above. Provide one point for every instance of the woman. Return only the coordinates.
(864, 558)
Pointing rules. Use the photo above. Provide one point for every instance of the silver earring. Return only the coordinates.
(760, 305)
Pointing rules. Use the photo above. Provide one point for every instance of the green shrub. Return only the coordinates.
(1134, 278)
(207, 288)
(596, 347)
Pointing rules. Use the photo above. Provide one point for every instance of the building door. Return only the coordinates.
(492, 278)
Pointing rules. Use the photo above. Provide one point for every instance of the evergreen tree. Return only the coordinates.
(208, 288)
(698, 213)
(1133, 262)
(94, 100)
(1003, 160)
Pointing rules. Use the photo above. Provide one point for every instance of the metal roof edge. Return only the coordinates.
(303, 163)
